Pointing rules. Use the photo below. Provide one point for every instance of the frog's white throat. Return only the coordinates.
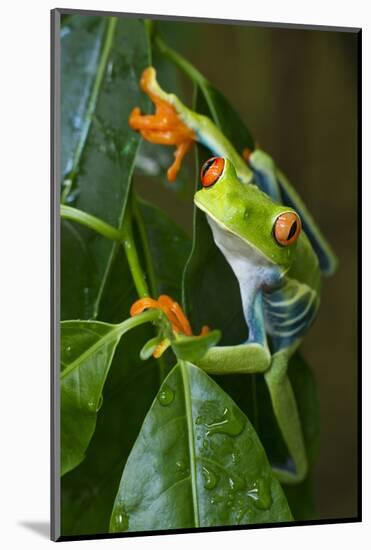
(251, 267)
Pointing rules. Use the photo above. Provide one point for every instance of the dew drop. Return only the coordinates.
(120, 521)
(228, 424)
(216, 499)
(166, 396)
(110, 71)
(210, 478)
(236, 483)
(261, 494)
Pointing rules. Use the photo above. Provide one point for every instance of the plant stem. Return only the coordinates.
(137, 215)
(132, 254)
(98, 225)
(125, 236)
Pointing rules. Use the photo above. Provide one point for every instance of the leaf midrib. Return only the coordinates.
(191, 440)
(115, 332)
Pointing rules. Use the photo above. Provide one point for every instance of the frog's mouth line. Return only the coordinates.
(231, 232)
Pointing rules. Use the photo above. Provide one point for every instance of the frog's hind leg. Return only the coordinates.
(286, 412)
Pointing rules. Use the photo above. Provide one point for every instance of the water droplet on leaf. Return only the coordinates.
(180, 465)
(120, 521)
(166, 396)
(229, 424)
(210, 478)
(260, 493)
(236, 483)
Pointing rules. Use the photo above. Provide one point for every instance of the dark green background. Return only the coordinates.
(297, 92)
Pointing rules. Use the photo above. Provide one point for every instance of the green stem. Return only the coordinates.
(132, 254)
(98, 225)
(149, 268)
(125, 236)
(137, 215)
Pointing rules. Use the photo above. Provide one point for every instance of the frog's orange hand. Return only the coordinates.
(173, 311)
(165, 126)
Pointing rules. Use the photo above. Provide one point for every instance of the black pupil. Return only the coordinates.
(206, 166)
(292, 230)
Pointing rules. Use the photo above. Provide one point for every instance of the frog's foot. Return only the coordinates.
(174, 313)
(165, 126)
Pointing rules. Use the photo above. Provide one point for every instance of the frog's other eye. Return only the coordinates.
(211, 171)
(287, 228)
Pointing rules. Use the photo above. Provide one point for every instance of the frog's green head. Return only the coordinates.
(248, 213)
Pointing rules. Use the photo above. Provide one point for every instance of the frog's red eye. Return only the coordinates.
(287, 228)
(211, 171)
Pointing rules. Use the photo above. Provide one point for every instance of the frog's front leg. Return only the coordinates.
(287, 416)
(164, 127)
(174, 124)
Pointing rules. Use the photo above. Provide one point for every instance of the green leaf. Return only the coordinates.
(76, 269)
(86, 353)
(102, 60)
(193, 348)
(87, 350)
(81, 44)
(197, 462)
(88, 491)
(169, 249)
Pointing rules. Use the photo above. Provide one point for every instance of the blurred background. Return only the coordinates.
(297, 92)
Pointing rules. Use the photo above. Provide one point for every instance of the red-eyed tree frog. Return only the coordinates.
(272, 244)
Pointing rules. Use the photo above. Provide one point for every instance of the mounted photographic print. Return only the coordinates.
(205, 191)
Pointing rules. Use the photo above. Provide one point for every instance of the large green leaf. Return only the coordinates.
(87, 349)
(101, 63)
(81, 44)
(89, 490)
(196, 463)
(86, 354)
(76, 270)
